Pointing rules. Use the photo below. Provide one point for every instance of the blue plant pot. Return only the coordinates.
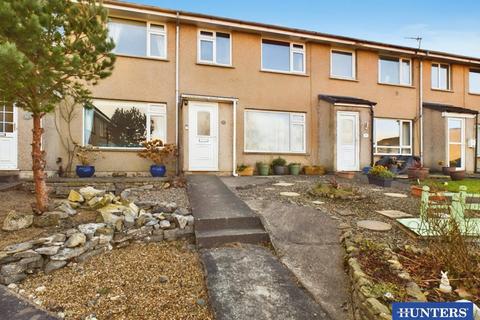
(157, 170)
(85, 171)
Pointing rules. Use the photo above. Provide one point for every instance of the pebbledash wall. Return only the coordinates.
(149, 80)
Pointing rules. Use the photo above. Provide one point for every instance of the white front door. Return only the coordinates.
(8, 138)
(203, 136)
(347, 141)
(456, 143)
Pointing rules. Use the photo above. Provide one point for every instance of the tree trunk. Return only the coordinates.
(38, 166)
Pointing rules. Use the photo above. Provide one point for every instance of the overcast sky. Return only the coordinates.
(451, 26)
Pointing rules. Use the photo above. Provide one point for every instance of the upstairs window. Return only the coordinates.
(440, 76)
(137, 38)
(214, 47)
(342, 64)
(474, 81)
(393, 137)
(395, 71)
(283, 56)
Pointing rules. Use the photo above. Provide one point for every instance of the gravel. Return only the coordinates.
(141, 281)
(177, 195)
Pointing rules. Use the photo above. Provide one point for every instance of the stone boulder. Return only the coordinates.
(90, 192)
(75, 240)
(67, 208)
(89, 229)
(75, 196)
(16, 221)
(47, 219)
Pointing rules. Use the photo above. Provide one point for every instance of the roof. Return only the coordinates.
(263, 27)
(447, 108)
(344, 99)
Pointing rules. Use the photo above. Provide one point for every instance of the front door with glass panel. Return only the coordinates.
(8, 138)
(347, 141)
(203, 136)
(456, 143)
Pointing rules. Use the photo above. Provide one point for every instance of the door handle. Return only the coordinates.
(203, 139)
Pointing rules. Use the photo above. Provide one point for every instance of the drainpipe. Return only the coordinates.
(421, 110)
(476, 144)
(234, 146)
(177, 102)
(372, 142)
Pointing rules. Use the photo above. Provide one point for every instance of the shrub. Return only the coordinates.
(381, 171)
(87, 154)
(157, 151)
(279, 162)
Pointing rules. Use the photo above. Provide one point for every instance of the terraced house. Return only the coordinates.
(230, 92)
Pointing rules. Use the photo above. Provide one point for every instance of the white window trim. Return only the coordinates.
(399, 147)
(151, 31)
(212, 39)
(478, 139)
(149, 112)
(354, 71)
(291, 115)
(462, 143)
(400, 71)
(469, 84)
(292, 50)
(438, 65)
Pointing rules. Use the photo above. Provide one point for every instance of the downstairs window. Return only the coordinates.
(393, 137)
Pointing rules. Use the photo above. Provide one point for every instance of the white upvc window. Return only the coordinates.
(440, 76)
(342, 64)
(157, 40)
(392, 136)
(214, 47)
(392, 70)
(474, 81)
(113, 124)
(274, 131)
(282, 56)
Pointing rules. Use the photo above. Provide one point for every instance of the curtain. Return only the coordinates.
(88, 125)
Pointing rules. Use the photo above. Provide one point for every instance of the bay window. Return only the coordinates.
(440, 76)
(123, 124)
(271, 131)
(392, 136)
(395, 71)
(283, 56)
(214, 47)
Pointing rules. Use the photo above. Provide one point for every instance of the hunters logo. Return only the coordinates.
(432, 310)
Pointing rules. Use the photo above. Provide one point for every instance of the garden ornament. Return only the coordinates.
(445, 286)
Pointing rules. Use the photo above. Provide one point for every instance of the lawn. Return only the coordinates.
(473, 185)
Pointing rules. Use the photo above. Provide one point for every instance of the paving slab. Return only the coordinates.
(14, 307)
(374, 225)
(394, 214)
(395, 195)
(249, 282)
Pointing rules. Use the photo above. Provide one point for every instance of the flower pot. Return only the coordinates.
(248, 171)
(157, 170)
(446, 170)
(85, 171)
(280, 170)
(365, 170)
(456, 175)
(345, 174)
(294, 169)
(263, 169)
(314, 170)
(416, 191)
(418, 173)
(379, 181)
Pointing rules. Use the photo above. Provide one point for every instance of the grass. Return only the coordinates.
(473, 185)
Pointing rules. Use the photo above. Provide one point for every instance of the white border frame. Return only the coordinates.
(291, 114)
(400, 74)
(292, 50)
(400, 147)
(462, 142)
(472, 70)
(449, 76)
(357, 139)
(354, 64)
(212, 39)
(156, 32)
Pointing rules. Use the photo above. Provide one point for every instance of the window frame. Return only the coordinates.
(213, 39)
(293, 50)
(401, 146)
(400, 72)
(472, 70)
(156, 32)
(148, 113)
(439, 64)
(354, 64)
(291, 122)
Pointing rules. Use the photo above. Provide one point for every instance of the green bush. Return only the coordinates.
(279, 162)
(381, 171)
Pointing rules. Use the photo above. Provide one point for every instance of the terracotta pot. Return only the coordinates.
(248, 171)
(446, 170)
(345, 174)
(436, 197)
(418, 173)
(314, 170)
(456, 175)
(416, 191)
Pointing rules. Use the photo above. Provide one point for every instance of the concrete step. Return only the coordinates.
(207, 224)
(9, 175)
(218, 238)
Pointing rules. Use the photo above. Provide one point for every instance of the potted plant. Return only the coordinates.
(245, 170)
(294, 168)
(454, 172)
(86, 155)
(279, 166)
(262, 168)
(417, 171)
(314, 170)
(380, 176)
(445, 169)
(158, 152)
(345, 174)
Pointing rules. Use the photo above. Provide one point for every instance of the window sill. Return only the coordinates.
(119, 149)
(408, 86)
(200, 63)
(474, 93)
(142, 57)
(442, 90)
(277, 153)
(343, 79)
(285, 72)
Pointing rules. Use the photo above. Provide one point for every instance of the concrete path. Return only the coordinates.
(307, 242)
(13, 307)
(249, 282)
